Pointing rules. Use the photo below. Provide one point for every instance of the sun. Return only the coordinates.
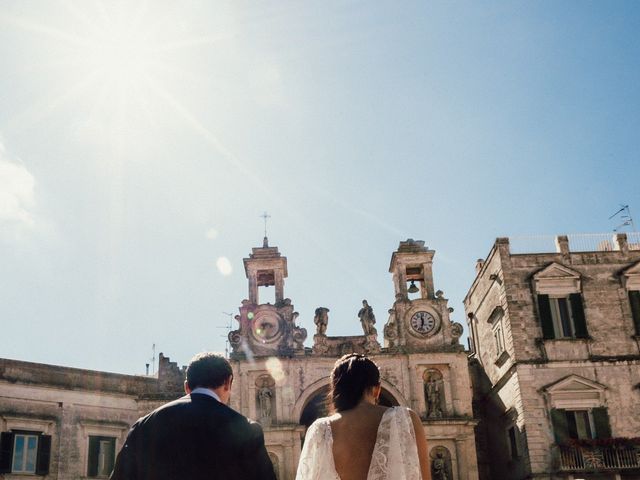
(119, 65)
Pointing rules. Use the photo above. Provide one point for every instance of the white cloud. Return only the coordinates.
(17, 193)
(224, 266)
(211, 234)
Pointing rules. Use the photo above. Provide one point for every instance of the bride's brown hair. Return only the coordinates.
(351, 376)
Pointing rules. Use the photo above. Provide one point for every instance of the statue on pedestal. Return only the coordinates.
(321, 319)
(367, 319)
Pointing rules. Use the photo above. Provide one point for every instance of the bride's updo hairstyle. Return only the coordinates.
(351, 376)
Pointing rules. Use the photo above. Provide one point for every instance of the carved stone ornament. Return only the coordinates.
(456, 330)
(321, 319)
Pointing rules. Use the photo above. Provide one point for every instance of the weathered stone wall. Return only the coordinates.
(69, 416)
(514, 391)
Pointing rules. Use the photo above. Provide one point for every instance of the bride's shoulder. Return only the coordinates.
(321, 423)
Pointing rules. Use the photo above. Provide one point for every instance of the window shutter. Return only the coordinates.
(44, 455)
(94, 447)
(601, 422)
(560, 425)
(634, 299)
(6, 451)
(577, 311)
(111, 454)
(544, 310)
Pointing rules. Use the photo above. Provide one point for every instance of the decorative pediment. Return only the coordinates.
(496, 314)
(631, 277)
(556, 279)
(575, 391)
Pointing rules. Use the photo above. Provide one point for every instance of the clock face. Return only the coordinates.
(266, 327)
(423, 322)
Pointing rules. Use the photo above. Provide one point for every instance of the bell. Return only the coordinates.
(413, 288)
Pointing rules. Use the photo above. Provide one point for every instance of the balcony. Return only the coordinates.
(618, 454)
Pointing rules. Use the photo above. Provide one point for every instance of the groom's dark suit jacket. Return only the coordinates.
(194, 438)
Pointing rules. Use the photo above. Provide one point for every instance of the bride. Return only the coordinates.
(362, 440)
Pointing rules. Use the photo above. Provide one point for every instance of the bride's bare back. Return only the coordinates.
(354, 435)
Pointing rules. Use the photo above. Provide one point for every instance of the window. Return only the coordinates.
(498, 337)
(562, 316)
(25, 452)
(101, 456)
(580, 424)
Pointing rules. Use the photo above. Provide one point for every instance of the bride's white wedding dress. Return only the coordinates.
(395, 454)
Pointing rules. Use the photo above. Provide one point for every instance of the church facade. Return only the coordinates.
(66, 423)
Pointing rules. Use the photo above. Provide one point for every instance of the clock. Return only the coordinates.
(422, 323)
(265, 327)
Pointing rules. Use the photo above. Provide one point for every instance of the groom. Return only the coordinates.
(198, 436)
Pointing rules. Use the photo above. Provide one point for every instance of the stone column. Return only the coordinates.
(427, 275)
(279, 281)
(621, 240)
(562, 244)
(253, 287)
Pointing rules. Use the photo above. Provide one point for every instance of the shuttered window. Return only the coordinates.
(580, 424)
(25, 452)
(101, 456)
(562, 317)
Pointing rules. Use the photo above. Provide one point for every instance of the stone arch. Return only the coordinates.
(312, 403)
(307, 394)
(390, 390)
(275, 461)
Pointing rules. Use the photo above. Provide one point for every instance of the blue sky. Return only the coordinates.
(141, 142)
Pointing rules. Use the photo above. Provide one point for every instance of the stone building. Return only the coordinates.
(556, 358)
(64, 423)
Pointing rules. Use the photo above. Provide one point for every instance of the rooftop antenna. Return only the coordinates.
(228, 328)
(265, 216)
(625, 216)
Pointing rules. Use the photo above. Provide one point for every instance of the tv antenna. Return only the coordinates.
(152, 359)
(228, 328)
(624, 214)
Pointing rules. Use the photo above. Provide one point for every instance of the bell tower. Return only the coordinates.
(266, 329)
(265, 267)
(419, 319)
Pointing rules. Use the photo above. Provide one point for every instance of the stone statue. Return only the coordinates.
(432, 396)
(264, 398)
(321, 319)
(367, 319)
(439, 468)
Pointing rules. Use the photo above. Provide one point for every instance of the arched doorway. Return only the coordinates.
(317, 405)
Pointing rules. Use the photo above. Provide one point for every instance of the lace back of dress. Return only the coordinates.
(395, 455)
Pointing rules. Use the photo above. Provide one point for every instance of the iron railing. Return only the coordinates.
(598, 458)
(581, 242)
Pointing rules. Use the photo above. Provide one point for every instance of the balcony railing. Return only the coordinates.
(583, 242)
(592, 458)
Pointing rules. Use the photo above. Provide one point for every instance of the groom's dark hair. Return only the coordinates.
(208, 370)
(351, 376)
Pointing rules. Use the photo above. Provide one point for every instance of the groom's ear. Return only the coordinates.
(187, 390)
(228, 382)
